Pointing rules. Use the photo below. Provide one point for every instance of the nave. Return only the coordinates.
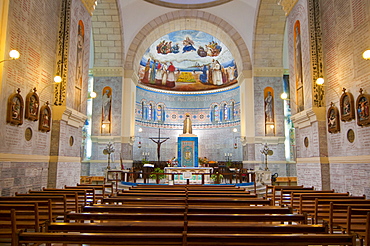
(88, 214)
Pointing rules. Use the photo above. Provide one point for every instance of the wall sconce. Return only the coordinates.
(320, 81)
(13, 54)
(366, 55)
(103, 126)
(284, 96)
(57, 79)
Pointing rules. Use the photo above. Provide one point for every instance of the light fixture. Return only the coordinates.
(13, 54)
(57, 79)
(93, 94)
(140, 129)
(320, 81)
(235, 130)
(272, 126)
(366, 55)
(103, 126)
(284, 96)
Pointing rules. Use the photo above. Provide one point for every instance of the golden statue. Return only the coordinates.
(187, 125)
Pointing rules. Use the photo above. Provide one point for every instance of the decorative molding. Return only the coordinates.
(287, 5)
(89, 5)
(316, 52)
(268, 72)
(71, 116)
(313, 160)
(307, 117)
(269, 140)
(70, 159)
(363, 159)
(7, 157)
(188, 6)
(62, 53)
(107, 72)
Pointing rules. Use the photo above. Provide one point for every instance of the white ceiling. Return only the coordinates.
(240, 14)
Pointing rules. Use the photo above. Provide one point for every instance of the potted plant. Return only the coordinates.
(214, 177)
(156, 176)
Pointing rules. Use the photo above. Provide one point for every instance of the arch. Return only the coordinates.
(107, 35)
(201, 5)
(188, 19)
(269, 52)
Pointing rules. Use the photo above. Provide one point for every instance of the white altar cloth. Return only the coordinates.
(184, 173)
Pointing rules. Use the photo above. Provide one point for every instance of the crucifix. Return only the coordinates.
(158, 140)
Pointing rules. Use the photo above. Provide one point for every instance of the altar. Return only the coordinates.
(182, 174)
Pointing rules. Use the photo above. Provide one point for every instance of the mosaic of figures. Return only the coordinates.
(220, 114)
(188, 60)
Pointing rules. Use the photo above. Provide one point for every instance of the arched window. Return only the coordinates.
(160, 113)
(215, 114)
(232, 111)
(150, 112)
(143, 110)
(226, 112)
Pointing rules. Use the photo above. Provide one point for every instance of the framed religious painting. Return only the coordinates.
(14, 114)
(347, 106)
(333, 119)
(45, 118)
(32, 106)
(362, 106)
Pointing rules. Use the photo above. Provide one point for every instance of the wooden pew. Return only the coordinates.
(100, 191)
(292, 197)
(364, 234)
(274, 191)
(189, 200)
(38, 209)
(186, 194)
(342, 216)
(281, 218)
(307, 201)
(58, 202)
(269, 239)
(8, 232)
(102, 238)
(180, 226)
(188, 239)
(196, 209)
(323, 207)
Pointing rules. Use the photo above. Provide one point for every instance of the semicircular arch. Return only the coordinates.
(186, 20)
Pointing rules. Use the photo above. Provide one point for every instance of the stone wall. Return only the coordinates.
(32, 30)
(345, 37)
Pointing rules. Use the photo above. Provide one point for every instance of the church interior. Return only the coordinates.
(278, 89)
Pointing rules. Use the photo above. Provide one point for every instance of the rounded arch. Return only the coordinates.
(269, 34)
(198, 5)
(188, 19)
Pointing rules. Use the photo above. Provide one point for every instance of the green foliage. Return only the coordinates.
(157, 170)
(144, 161)
(214, 177)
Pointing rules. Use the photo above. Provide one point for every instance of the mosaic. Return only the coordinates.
(188, 60)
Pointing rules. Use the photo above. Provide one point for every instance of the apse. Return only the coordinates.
(187, 60)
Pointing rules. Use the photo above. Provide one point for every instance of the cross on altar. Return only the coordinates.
(158, 140)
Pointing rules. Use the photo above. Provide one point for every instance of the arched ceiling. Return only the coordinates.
(188, 4)
(252, 29)
(188, 19)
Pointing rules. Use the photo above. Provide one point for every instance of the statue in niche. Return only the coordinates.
(106, 105)
(269, 107)
(187, 129)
